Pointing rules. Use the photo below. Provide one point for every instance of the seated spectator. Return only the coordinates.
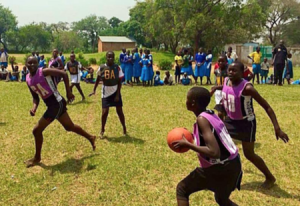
(90, 76)
(4, 75)
(157, 81)
(248, 75)
(185, 80)
(168, 80)
(24, 73)
(14, 75)
(42, 62)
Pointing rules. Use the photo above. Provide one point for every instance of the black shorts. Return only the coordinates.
(242, 130)
(177, 70)
(221, 179)
(110, 101)
(55, 111)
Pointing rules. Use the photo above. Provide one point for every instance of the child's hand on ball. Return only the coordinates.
(181, 143)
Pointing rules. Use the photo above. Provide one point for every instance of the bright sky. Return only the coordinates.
(53, 11)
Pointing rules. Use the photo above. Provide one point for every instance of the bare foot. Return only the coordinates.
(92, 141)
(269, 183)
(102, 135)
(124, 131)
(83, 98)
(32, 162)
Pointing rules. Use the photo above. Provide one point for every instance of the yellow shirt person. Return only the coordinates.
(256, 56)
(179, 60)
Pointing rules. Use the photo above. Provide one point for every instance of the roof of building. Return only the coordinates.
(116, 39)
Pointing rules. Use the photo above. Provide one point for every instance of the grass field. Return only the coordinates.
(139, 169)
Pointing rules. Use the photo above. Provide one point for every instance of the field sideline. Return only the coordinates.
(139, 169)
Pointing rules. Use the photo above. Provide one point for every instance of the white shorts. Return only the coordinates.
(75, 78)
(218, 96)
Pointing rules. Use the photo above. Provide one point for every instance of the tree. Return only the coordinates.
(278, 15)
(29, 37)
(90, 27)
(7, 22)
(114, 22)
(67, 41)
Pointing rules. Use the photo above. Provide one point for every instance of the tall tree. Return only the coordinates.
(7, 22)
(90, 27)
(278, 14)
(114, 22)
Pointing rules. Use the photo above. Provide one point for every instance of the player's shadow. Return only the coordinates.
(275, 191)
(80, 102)
(71, 165)
(2, 123)
(127, 139)
(239, 143)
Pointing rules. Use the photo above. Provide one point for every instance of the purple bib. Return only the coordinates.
(43, 86)
(237, 106)
(222, 134)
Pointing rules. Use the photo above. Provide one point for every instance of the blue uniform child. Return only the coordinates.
(42, 62)
(200, 69)
(157, 81)
(24, 73)
(207, 66)
(185, 80)
(145, 76)
(137, 69)
(128, 67)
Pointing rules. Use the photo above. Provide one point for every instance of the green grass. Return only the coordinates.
(157, 56)
(140, 169)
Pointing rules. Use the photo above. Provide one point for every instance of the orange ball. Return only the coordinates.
(175, 135)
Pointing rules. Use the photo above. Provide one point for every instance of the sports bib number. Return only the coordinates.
(229, 102)
(39, 90)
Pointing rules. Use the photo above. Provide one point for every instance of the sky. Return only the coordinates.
(53, 11)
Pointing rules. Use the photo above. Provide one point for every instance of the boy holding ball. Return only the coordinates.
(221, 170)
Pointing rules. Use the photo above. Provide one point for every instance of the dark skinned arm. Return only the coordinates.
(211, 150)
(63, 74)
(215, 88)
(36, 101)
(250, 58)
(117, 98)
(62, 66)
(250, 91)
(96, 85)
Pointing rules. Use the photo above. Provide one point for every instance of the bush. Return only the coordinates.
(83, 62)
(80, 56)
(12, 59)
(26, 57)
(92, 61)
(102, 60)
(165, 65)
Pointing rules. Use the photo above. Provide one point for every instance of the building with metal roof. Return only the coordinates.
(114, 43)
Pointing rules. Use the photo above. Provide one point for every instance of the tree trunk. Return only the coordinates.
(197, 38)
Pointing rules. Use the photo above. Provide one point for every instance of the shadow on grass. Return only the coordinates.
(125, 139)
(276, 191)
(80, 102)
(239, 143)
(71, 165)
(2, 123)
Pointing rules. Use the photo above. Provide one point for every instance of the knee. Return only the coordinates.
(37, 131)
(250, 155)
(222, 201)
(69, 128)
(181, 192)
